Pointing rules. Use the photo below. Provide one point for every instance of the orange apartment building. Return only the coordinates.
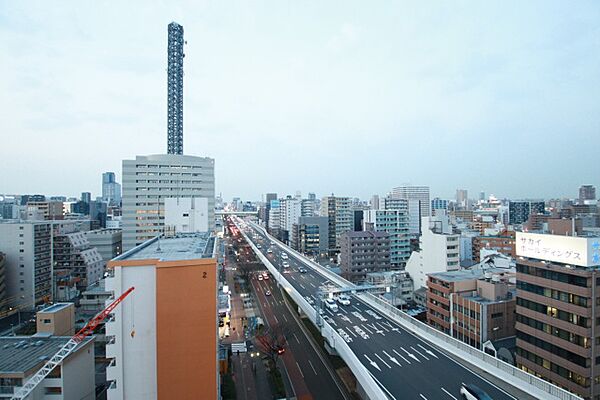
(163, 338)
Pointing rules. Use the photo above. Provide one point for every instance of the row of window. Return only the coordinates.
(554, 312)
(553, 275)
(553, 293)
(556, 350)
(554, 331)
(557, 369)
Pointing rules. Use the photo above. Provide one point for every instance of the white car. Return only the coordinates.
(330, 304)
(284, 256)
(472, 392)
(344, 300)
(286, 264)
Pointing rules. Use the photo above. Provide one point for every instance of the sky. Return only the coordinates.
(343, 97)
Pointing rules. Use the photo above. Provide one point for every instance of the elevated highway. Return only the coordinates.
(392, 355)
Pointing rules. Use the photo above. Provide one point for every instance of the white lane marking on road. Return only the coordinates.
(423, 397)
(356, 308)
(381, 359)
(411, 355)
(292, 276)
(376, 329)
(367, 329)
(275, 316)
(419, 353)
(351, 331)
(302, 286)
(265, 304)
(312, 284)
(448, 393)
(299, 369)
(401, 356)
(342, 310)
(296, 337)
(373, 363)
(313, 296)
(313, 367)
(284, 317)
(383, 327)
(431, 353)
(392, 359)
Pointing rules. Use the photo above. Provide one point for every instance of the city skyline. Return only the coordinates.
(286, 88)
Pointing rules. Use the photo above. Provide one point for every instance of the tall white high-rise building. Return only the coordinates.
(419, 204)
(290, 210)
(149, 180)
(395, 223)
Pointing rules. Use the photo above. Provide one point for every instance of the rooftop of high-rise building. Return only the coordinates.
(181, 246)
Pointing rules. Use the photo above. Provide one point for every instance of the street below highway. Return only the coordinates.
(307, 371)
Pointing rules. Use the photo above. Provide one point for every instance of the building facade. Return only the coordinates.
(310, 235)
(362, 253)
(419, 204)
(439, 250)
(557, 310)
(27, 246)
(474, 306)
(519, 211)
(395, 223)
(111, 190)
(149, 180)
(168, 324)
(340, 216)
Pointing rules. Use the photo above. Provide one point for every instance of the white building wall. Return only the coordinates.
(186, 214)
(439, 253)
(135, 368)
(79, 374)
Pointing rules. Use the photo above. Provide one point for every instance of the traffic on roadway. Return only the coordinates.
(403, 365)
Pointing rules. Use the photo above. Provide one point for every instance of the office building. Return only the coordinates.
(27, 246)
(22, 356)
(168, 324)
(587, 193)
(310, 235)
(341, 219)
(395, 286)
(462, 199)
(439, 204)
(108, 242)
(520, 210)
(419, 204)
(149, 180)
(290, 210)
(186, 215)
(175, 89)
(111, 190)
(439, 250)
(364, 252)
(274, 217)
(557, 310)
(396, 224)
(474, 306)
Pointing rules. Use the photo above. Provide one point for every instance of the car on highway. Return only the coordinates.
(330, 304)
(269, 251)
(302, 270)
(260, 277)
(284, 256)
(268, 293)
(472, 392)
(265, 276)
(343, 300)
(286, 264)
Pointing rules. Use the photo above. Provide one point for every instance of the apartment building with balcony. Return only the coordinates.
(362, 253)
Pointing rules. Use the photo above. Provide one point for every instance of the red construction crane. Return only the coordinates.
(64, 351)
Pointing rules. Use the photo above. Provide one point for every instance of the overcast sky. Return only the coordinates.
(322, 96)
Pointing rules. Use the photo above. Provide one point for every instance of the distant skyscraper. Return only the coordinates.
(111, 190)
(86, 197)
(520, 210)
(175, 89)
(462, 198)
(418, 199)
(481, 196)
(587, 192)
